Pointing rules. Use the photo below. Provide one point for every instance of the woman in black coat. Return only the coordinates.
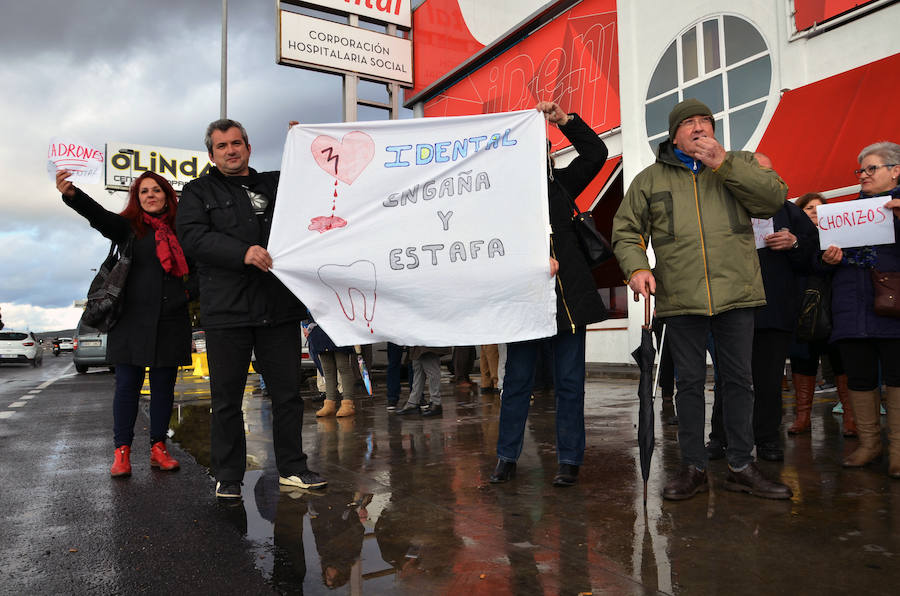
(577, 305)
(154, 329)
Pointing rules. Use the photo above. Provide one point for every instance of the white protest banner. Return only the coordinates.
(863, 222)
(761, 229)
(83, 160)
(431, 231)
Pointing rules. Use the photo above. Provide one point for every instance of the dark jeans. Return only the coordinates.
(568, 373)
(732, 332)
(770, 350)
(278, 360)
(129, 380)
(861, 359)
(395, 358)
(463, 359)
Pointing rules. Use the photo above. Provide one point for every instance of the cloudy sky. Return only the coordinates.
(134, 71)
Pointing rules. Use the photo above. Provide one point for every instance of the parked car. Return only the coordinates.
(66, 344)
(89, 348)
(20, 346)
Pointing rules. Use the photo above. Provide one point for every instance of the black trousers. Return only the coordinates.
(770, 350)
(278, 361)
(862, 358)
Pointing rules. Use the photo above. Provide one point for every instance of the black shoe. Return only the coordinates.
(750, 480)
(305, 479)
(319, 397)
(687, 484)
(228, 490)
(407, 409)
(715, 449)
(566, 475)
(770, 452)
(504, 472)
(432, 410)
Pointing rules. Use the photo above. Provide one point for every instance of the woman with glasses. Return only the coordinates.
(866, 340)
(154, 329)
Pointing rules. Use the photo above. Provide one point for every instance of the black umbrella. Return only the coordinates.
(644, 355)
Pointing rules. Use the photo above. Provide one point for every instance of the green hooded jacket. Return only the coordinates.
(700, 230)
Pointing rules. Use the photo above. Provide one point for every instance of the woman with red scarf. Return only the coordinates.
(154, 329)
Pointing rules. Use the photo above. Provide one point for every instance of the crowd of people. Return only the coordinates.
(713, 289)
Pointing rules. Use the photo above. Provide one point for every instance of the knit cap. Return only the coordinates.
(686, 109)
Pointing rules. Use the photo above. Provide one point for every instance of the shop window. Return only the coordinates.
(722, 61)
(608, 276)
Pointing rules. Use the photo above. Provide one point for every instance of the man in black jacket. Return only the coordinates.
(223, 223)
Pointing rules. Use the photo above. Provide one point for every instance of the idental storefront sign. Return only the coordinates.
(127, 161)
(322, 45)
(397, 12)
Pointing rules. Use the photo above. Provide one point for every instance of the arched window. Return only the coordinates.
(724, 62)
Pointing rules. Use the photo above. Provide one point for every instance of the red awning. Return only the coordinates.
(818, 130)
(588, 196)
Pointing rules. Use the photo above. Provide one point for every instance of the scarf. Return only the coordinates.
(168, 251)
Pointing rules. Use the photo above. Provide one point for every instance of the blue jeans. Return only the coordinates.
(129, 380)
(518, 382)
(732, 332)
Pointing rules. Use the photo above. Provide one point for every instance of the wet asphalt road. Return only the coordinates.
(409, 510)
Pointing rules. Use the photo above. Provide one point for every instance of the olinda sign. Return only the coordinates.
(127, 161)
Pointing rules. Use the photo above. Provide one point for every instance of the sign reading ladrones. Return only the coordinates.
(397, 12)
(323, 45)
(127, 161)
(430, 231)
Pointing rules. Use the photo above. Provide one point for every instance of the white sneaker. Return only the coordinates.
(306, 479)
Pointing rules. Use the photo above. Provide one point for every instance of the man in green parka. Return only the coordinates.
(694, 205)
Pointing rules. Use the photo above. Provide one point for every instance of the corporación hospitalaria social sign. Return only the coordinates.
(322, 45)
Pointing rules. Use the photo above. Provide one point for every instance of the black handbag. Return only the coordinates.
(104, 300)
(814, 323)
(594, 245)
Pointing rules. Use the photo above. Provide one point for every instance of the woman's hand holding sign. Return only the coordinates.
(65, 187)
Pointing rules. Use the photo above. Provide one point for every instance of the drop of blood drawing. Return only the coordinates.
(324, 223)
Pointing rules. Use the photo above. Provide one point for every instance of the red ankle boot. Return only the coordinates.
(160, 458)
(122, 463)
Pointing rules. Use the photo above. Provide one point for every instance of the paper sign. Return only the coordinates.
(431, 231)
(761, 229)
(83, 160)
(863, 222)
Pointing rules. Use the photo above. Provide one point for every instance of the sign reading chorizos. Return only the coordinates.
(322, 45)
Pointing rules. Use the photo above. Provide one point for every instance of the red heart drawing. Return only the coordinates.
(344, 159)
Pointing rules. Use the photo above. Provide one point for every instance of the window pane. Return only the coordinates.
(711, 45)
(372, 113)
(709, 92)
(720, 132)
(658, 114)
(373, 91)
(749, 81)
(689, 54)
(741, 40)
(743, 123)
(665, 78)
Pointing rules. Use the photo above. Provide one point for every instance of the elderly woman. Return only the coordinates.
(805, 360)
(867, 340)
(154, 329)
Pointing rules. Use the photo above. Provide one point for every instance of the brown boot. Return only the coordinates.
(804, 388)
(893, 420)
(865, 408)
(347, 408)
(840, 381)
(328, 408)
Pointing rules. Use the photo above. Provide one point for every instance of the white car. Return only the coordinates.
(20, 346)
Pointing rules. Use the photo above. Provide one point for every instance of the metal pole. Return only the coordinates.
(394, 88)
(351, 85)
(223, 101)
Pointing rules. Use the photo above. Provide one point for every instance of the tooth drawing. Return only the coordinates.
(351, 283)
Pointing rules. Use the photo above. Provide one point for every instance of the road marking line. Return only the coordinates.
(17, 404)
(6, 414)
(34, 391)
(26, 397)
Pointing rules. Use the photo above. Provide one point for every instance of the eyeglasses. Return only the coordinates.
(870, 170)
(697, 121)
